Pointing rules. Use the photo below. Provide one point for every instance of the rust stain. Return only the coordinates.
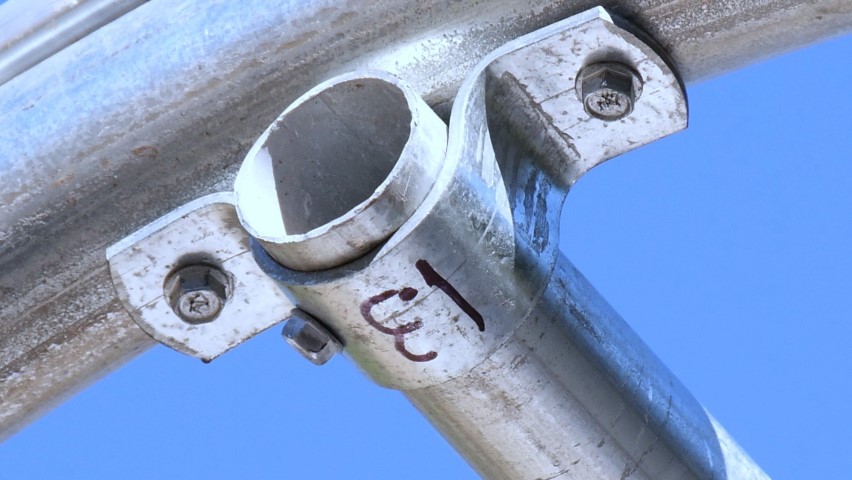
(298, 41)
(10, 197)
(61, 181)
(146, 151)
(342, 19)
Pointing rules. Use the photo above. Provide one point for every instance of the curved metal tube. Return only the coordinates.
(144, 115)
(33, 31)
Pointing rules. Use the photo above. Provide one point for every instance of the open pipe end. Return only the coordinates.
(340, 171)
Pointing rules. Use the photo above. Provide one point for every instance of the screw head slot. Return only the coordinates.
(197, 293)
(608, 90)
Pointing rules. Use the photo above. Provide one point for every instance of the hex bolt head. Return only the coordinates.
(197, 293)
(310, 338)
(608, 90)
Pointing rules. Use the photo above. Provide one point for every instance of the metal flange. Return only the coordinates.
(204, 235)
(519, 126)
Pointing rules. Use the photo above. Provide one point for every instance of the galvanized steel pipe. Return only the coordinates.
(155, 109)
(500, 342)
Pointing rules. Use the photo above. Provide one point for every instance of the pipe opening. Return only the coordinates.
(332, 152)
(340, 171)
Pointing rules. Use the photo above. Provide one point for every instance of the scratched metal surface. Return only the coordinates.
(156, 109)
(606, 429)
(528, 376)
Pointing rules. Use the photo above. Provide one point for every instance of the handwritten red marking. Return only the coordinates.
(399, 332)
(434, 279)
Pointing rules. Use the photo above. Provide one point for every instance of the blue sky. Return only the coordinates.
(727, 247)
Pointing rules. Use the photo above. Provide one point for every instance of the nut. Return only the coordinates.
(608, 90)
(197, 293)
(310, 338)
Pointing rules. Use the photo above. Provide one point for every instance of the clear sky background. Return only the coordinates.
(727, 247)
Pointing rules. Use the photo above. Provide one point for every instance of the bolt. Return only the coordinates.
(310, 338)
(197, 293)
(609, 90)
